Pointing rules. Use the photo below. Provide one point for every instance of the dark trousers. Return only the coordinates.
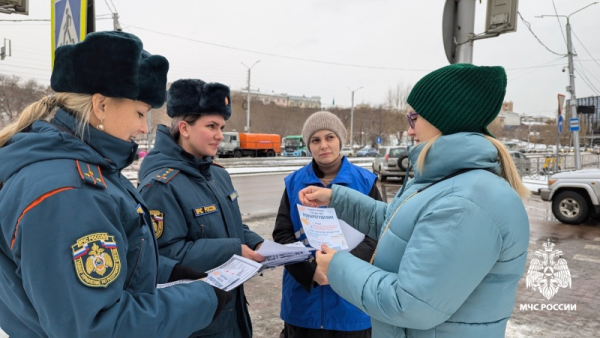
(291, 331)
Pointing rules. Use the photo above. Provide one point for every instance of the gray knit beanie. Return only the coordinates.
(323, 120)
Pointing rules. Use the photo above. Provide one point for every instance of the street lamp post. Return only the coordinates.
(352, 116)
(571, 87)
(248, 97)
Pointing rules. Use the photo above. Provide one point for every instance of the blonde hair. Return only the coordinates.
(508, 170)
(78, 104)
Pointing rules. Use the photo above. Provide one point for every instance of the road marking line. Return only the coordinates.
(586, 258)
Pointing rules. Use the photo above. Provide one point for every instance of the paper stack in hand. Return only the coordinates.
(232, 273)
(276, 254)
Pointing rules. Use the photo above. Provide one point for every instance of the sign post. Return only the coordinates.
(559, 120)
(69, 22)
(574, 124)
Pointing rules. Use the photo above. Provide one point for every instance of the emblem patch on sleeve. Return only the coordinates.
(157, 221)
(96, 259)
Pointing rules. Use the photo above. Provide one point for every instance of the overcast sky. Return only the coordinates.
(323, 48)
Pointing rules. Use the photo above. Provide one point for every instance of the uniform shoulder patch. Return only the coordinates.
(218, 164)
(166, 175)
(233, 195)
(158, 222)
(97, 261)
(91, 174)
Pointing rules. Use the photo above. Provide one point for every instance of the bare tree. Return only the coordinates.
(16, 96)
(395, 97)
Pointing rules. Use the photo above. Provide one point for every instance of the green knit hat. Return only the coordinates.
(460, 97)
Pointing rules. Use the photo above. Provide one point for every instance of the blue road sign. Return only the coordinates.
(378, 140)
(574, 123)
(69, 21)
(560, 123)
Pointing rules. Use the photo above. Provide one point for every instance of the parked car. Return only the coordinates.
(367, 152)
(391, 162)
(347, 151)
(522, 163)
(575, 195)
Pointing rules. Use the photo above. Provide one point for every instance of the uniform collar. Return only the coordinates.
(118, 153)
(166, 144)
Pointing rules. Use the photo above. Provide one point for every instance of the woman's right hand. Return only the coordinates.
(251, 254)
(320, 278)
(315, 196)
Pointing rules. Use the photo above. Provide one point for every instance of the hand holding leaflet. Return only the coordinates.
(232, 273)
(226, 276)
(321, 226)
(277, 254)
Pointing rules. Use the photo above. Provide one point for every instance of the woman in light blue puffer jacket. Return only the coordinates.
(453, 243)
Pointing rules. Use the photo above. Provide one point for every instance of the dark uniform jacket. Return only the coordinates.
(196, 217)
(77, 255)
(319, 307)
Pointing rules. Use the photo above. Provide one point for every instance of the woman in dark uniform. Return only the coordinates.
(192, 200)
(77, 255)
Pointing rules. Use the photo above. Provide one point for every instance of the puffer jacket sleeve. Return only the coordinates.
(68, 308)
(453, 246)
(202, 254)
(360, 211)
(283, 233)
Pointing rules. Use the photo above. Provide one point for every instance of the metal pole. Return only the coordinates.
(352, 117)
(463, 30)
(248, 105)
(573, 99)
(352, 122)
(116, 24)
(557, 145)
(248, 97)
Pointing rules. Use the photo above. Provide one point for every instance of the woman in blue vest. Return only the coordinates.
(192, 200)
(309, 307)
(78, 256)
(453, 243)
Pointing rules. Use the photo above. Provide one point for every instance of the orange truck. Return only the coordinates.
(237, 144)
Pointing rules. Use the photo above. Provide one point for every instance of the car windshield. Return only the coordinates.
(292, 142)
(365, 149)
(397, 152)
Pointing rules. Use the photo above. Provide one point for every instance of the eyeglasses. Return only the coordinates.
(411, 118)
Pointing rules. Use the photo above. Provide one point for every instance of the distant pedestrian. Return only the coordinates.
(453, 243)
(309, 307)
(193, 203)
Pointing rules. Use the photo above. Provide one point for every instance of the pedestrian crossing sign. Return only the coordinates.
(69, 22)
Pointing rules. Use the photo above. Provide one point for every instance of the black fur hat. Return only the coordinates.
(194, 96)
(112, 64)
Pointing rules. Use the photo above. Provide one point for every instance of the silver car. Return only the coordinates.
(391, 161)
(522, 163)
(347, 151)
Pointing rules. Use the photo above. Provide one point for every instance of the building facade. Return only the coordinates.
(283, 100)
